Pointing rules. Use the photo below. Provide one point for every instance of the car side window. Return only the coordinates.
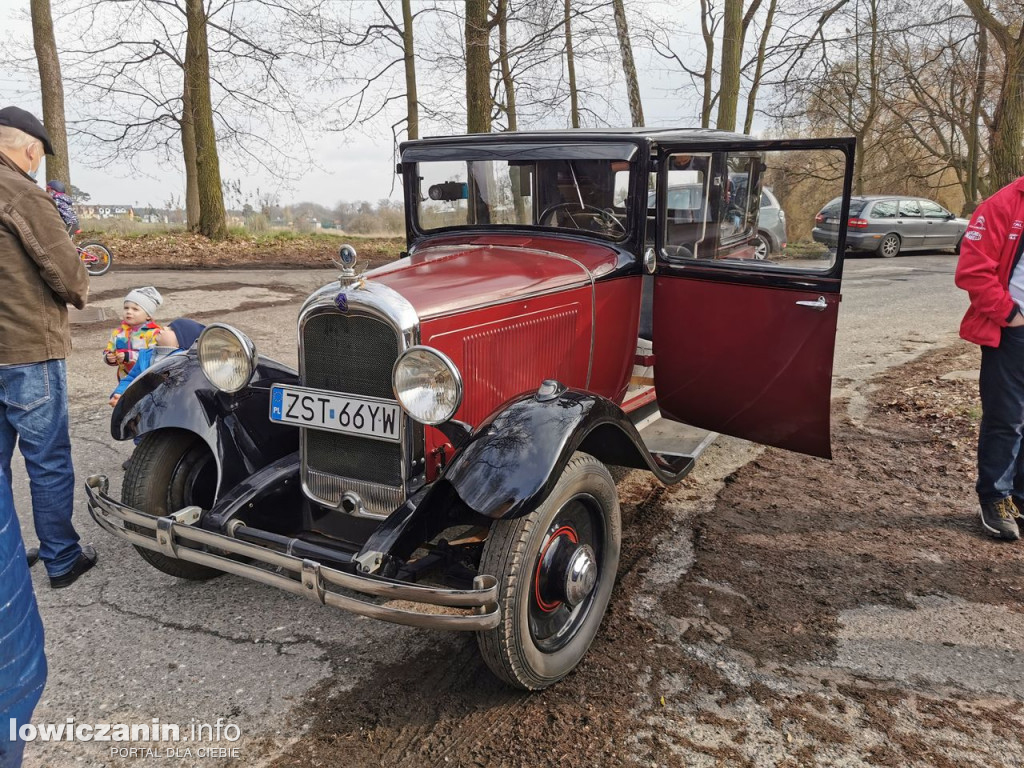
(933, 210)
(738, 217)
(884, 209)
(687, 216)
(910, 208)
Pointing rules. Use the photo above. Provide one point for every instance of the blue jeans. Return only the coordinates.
(1000, 458)
(34, 413)
(22, 663)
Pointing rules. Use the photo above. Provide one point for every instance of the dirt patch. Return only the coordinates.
(893, 514)
(184, 250)
(735, 664)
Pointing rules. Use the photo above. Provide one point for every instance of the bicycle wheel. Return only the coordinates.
(96, 257)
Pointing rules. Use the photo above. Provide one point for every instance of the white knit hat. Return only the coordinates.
(148, 298)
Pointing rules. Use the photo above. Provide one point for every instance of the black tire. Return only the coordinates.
(168, 470)
(889, 246)
(541, 639)
(959, 243)
(104, 257)
(762, 246)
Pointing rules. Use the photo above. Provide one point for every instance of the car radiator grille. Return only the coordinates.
(354, 355)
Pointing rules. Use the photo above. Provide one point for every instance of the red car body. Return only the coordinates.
(444, 440)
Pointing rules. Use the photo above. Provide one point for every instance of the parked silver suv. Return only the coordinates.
(887, 225)
(771, 226)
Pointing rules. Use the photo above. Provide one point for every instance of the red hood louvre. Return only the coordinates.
(451, 277)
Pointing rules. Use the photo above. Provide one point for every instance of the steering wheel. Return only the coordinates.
(606, 217)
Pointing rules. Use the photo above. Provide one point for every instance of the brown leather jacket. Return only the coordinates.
(40, 272)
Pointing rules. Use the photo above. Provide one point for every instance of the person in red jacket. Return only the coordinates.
(991, 271)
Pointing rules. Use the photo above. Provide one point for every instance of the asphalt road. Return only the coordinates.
(126, 643)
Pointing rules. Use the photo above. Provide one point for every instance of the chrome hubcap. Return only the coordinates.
(580, 576)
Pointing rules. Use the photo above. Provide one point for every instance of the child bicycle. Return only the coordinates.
(96, 257)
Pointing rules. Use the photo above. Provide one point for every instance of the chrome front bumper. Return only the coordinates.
(475, 609)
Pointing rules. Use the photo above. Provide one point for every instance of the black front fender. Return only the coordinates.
(512, 461)
(174, 394)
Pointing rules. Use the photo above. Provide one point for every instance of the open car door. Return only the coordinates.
(742, 345)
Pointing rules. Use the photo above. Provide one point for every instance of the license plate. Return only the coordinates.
(317, 409)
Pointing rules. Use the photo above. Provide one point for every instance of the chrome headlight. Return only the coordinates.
(227, 357)
(427, 385)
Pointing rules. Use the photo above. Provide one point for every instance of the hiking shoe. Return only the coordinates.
(1000, 519)
(85, 561)
(32, 556)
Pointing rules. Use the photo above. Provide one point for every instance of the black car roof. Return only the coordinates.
(651, 137)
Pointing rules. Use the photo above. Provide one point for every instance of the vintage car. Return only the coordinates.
(440, 458)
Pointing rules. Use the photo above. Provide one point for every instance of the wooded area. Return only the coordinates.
(933, 91)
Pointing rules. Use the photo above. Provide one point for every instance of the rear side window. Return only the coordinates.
(835, 207)
(884, 209)
(910, 208)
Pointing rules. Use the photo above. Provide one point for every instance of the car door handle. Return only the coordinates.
(820, 305)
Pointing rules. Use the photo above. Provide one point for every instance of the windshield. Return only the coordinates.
(580, 194)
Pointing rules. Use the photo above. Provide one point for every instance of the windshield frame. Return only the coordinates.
(635, 153)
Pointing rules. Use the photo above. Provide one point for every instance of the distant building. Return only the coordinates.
(105, 212)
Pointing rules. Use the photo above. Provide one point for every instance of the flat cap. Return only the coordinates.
(26, 122)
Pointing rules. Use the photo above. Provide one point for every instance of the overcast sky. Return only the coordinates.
(353, 166)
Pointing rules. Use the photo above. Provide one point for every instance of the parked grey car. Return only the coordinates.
(887, 225)
(771, 226)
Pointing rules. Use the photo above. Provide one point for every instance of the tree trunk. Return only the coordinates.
(732, 60)
(506, 68)
(478, 68)
(52, 88)
(570, 63)
(762, 46)
(1006, 160)
(707, 33)
(971, 199)
(212, 219)
(188, 149)
(867, 122)
(636, 109)
(412, 105)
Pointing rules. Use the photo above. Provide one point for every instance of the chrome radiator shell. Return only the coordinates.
(353, 352)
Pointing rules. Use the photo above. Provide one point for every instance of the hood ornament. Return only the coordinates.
(348, 278)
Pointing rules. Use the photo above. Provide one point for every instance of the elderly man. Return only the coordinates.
(41, 273)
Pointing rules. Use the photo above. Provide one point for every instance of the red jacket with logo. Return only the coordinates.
(987, 255)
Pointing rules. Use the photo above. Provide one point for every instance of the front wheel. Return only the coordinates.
(555, 568)
(96, 257)
(169, 470)
(890, 246)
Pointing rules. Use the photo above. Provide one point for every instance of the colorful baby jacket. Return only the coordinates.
(131, 340)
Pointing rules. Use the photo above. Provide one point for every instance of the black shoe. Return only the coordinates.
(1000, 519)
(32, 555)
(125, 463)
(85, 561)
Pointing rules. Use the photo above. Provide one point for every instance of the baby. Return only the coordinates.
(65, 206)
(137, 331)
(177, 337)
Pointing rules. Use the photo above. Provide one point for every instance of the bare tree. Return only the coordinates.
(759, 66)
(478, 67)
(636, 109)
(570, 65)
(212, 218)
(412, 108)
(1007, 123)
(52, 89)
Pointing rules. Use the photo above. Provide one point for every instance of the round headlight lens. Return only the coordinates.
(227, 357)
(427, 385)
